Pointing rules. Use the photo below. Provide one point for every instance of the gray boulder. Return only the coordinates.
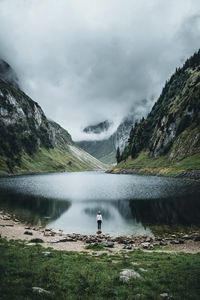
(128, 247)
(165, 296)
(163, 243)
(108, 244)
(40, 290)
(126, 274)
(147, 245)
(47, 253)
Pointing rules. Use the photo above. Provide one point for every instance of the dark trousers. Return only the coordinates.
(99, 224)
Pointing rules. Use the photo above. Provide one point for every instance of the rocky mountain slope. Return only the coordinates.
(7, 74)
(169, 138)
(29, 141)
(105, 150)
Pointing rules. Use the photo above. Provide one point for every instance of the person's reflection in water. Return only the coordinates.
(99, 221)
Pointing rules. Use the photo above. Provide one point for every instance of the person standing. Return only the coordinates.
(99, 220)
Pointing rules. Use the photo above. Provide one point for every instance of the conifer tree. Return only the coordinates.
(118, 155)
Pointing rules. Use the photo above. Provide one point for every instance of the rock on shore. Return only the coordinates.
(13, 229)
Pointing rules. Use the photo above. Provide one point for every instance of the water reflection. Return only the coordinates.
(93, 211)
(129, 204)
(33, 209)
(170, 211)
(81, 217)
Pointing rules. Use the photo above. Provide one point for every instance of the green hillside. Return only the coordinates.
(30, 142)
(170, 135)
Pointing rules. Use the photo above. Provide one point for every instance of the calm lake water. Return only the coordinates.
(129, 203)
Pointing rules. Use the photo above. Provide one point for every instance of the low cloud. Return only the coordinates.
(89, 61)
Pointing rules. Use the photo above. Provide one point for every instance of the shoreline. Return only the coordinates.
(185, 174)
(13, 229)
(191, 175)
(9, 175)
(45, 173)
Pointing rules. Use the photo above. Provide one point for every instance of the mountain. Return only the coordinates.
(168, 140)
(29, 141)
(7, 74)
(105, 150)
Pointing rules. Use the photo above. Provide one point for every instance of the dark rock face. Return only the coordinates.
(23, 118)
(7, 74)
(59, 136)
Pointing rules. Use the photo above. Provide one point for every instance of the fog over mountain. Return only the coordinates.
(89, 61)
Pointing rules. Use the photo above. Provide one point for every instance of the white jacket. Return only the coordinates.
(99, 217)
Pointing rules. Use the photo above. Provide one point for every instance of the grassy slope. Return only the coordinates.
(80, 276)
(161, 165)
(179, 96)
(53, 160)
(109, 159)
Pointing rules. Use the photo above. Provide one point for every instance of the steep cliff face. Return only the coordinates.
(59, 136)
(7, 74)
(178, 126)
(23, 125)
(122, 133)
(32, 143)
(172, 128)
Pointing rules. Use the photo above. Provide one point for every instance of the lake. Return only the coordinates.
(130, 204)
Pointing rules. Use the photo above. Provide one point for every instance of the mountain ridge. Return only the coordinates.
(171, 132)
(32, 143)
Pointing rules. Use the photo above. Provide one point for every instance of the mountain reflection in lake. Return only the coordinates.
(129, 203)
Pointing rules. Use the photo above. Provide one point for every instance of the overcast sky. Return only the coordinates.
(85, 61)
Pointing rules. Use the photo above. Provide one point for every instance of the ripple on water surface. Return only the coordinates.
(128, 202)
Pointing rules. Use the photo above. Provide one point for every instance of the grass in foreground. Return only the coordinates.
(80, 276)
